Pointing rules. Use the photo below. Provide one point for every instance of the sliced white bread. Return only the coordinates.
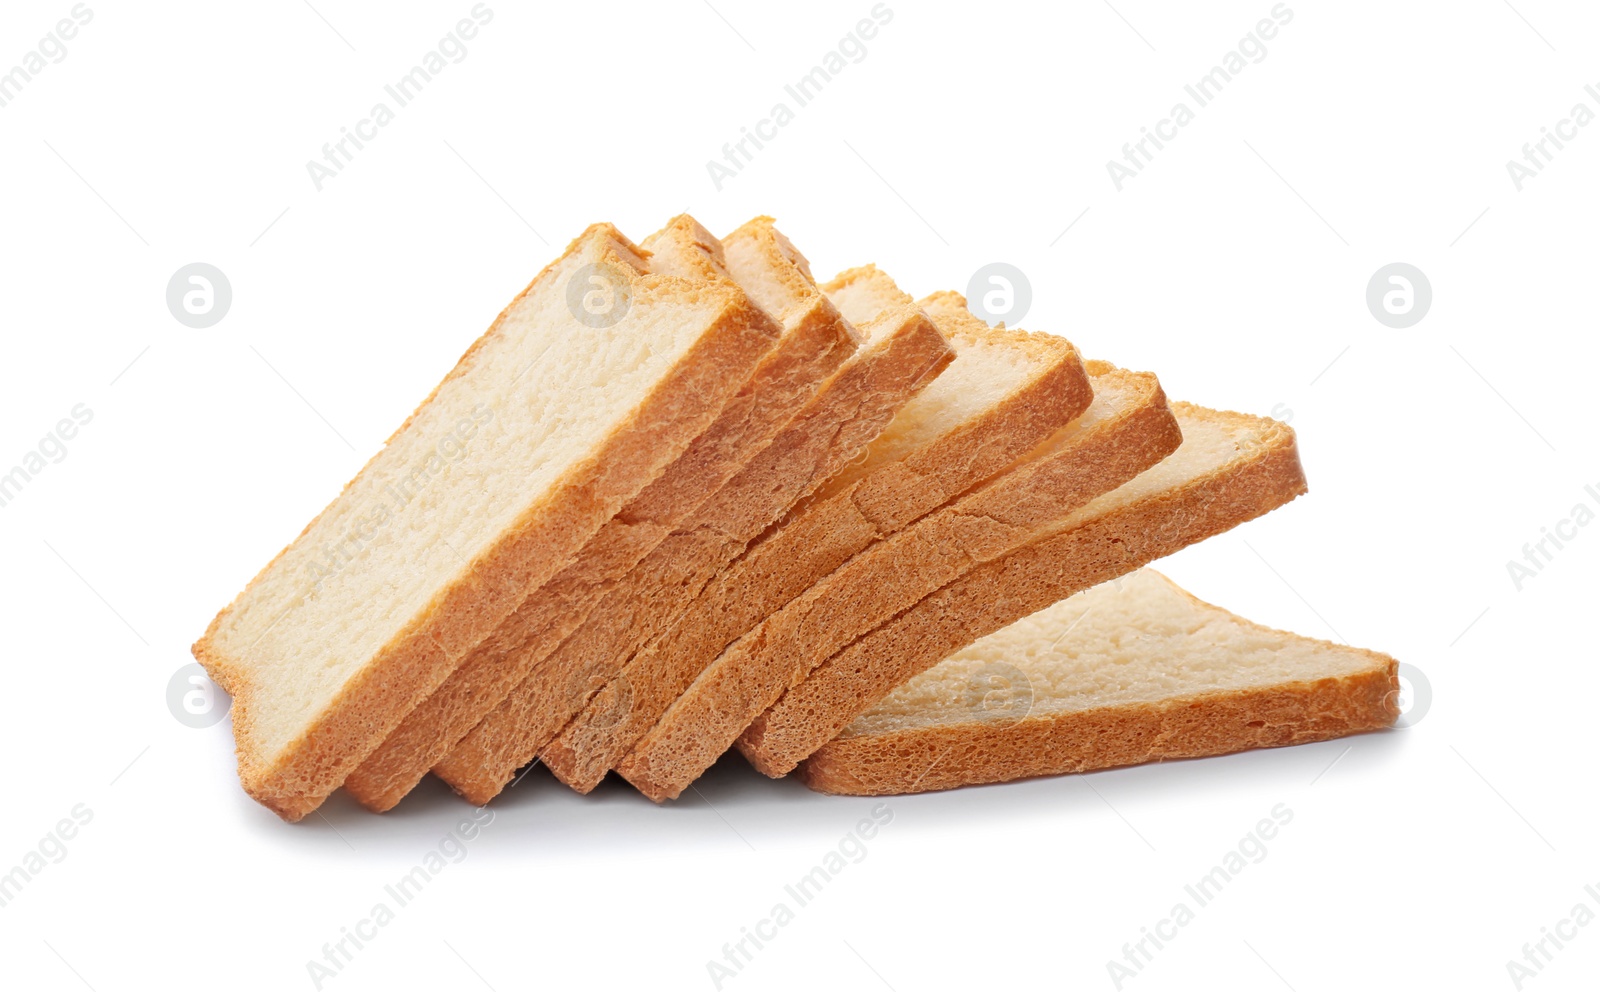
(1127, 429)
(430, 547)
(815, 341)
(1005, 391)
(902, 353)
(1131, 671)
(1230, 468)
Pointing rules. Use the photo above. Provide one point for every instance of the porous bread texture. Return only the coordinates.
(890, 487)
(1127, 429)
(1230, 468)
(1007, 390)
(864, 292)
(487, 488)
(813, 341)
(768, 266)
(902, 353)
(1004, 392)
(1131, 671)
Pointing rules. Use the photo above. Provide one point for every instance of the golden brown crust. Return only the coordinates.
(600, 238)
(793, 270)
(1056, 392)
(870, 274)
(582, 753)
(818, 341)
(1260, 478)
(947, 756)
(858, 401)
(684, 247)
(893, 575)
(372, 702)
(820, 533)
(896, 494)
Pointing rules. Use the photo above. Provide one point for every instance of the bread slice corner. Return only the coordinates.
(900, 354)
(1003, 393)
(1127, 428)
(424, 551)
(1128, 672)
(1230, 468)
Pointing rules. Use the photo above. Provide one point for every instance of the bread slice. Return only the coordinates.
(815, 340)
(1005, 391)
(1127, 429)
(902, 353)
(1229, 469)
(1131, 671)
(430, 546)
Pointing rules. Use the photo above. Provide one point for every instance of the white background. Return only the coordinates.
(1235, 266)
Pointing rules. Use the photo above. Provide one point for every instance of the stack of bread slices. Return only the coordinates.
(694, 501)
